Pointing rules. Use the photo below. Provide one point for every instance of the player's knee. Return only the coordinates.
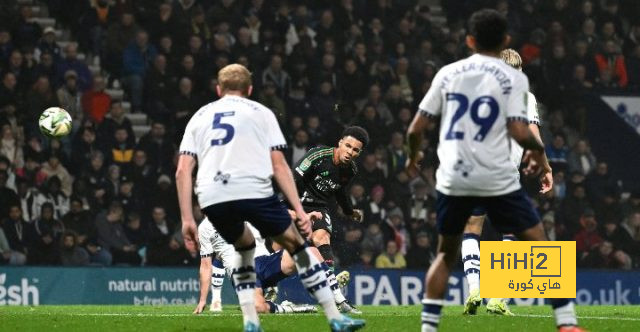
(474, 225)
(320, 237)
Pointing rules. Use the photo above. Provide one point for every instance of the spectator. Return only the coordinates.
(600, 183)
(96, 102)
(7, 255)
(588, 238)
(299, 147)
(557, 153)
(84, 146)
(18, 232)
(374, 211)
(398, 153)
(119, 35)
(53, 193)
(11, 147)
(141, 173)
(159, 86)
(80, 221)
(71, 254)
(113, 121)
(158, 147)
(53, 168)
(71, 62)
(9, 92)
(94, 25)
(121, 148)
(137, 57)
(44, 250)
(394, 230)
(112, 237)
(162, 246)
(375, 99)
(7, 195)
(184, 105)
(373, 240)
(275, 74)
(39, 98)
(571, 210)
(26, 32)
(70, 96)
(391, 258)
(421, 254)
(611, 59)
(633, 67)
(581, 159)
(48, 44)
(624, 235)
(603, 256)
(136, 234)
(349, 247)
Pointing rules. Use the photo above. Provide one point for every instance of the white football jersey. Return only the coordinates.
(211, 243)
(232, 139)
(475, 98)
(533, 117)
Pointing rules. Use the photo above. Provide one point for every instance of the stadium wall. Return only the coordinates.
(169, 286)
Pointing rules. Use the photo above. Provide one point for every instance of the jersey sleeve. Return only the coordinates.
(431, 104)
(188, 143)
(274, 137)
(518, 100)
(532, 109)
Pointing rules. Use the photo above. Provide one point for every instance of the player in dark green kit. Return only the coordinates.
(323, 173)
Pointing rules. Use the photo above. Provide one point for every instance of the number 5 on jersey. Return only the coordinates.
(229, 131)
(485, 123)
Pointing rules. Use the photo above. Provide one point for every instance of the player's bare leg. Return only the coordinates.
(563, 309)
(244, 278)
(437, 279)
(470, 252)
(313, 277)
(321, 239)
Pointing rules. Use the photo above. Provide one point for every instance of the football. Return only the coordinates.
(55, 122)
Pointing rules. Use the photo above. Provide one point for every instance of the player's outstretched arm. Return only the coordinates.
(414, 138)
(522, 134)
(205, 283)
(547, 173)
(184, 184)
(284, 179)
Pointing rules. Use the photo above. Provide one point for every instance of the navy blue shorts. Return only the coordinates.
(511, 213)
(268, 215)
(269, 270)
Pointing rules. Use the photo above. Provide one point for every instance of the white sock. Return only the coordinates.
(217, 278)
(244, 280)
(566, 314)
(333, 284)
(431, 311)
(471, 259)
(313, 277)
(508, 237)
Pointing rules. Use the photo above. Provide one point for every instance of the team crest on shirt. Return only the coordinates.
(223, 177)
(465, 169)
(304, 165)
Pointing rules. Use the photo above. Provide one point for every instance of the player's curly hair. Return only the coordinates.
(358, 133)
(512, 58)
(489, 28)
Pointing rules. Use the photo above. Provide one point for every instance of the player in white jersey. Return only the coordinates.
(470, 250)
(236, 144)
(480, 101)
(271, 267)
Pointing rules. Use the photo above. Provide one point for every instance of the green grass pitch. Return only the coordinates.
(379, 318)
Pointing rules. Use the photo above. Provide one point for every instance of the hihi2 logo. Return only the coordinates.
(528, 269)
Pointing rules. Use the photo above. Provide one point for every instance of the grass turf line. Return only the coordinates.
(379, 318)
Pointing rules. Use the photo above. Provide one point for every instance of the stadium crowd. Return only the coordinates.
(101, 196)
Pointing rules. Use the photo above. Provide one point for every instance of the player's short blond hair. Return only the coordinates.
(234, 77)
(512, 58)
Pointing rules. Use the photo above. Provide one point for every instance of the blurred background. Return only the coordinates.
(132, 72)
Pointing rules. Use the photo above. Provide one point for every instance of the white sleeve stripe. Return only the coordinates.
(205, 255)
(279, 147)
(427, 114)
(189, 153)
